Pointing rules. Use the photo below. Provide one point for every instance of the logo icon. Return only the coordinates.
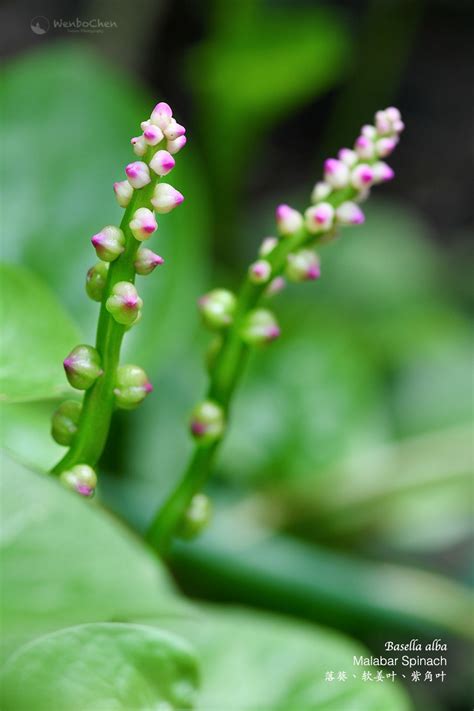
(39, 25)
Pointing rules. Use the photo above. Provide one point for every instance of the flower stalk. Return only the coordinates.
(243, 323)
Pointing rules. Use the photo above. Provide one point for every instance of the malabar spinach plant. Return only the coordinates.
(241, 321)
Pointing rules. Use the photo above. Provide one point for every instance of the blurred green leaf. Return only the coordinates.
(254, 660)
(98, 667)
(65, 562)
(37, 334)
(75, 145)
(25, 431)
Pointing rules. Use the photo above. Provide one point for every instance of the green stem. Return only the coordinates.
(99, 403)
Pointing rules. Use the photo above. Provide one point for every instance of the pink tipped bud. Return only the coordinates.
(207, 422)
(139, 145)
(161, 115)
(81, 478)
(162, 163)
(152, 135)
(349, 214)
(369, 131)
(143, 224)
(82, 367)
(362, 176)
(336, 173)
(124, 303)
(109, 243)
(147, 261)
(131, 386)
(260, 271)
(217, 308)
(321, 191)
(267, 246)
(259, 327)
(138, 174)
(166, 198)
(364, 148)
(174, 130)
(123, 192)
(288, 220)
(303, 266)
(398, 126)
(385, 146)
(319, 218)
(382, 122)
(348, 157)
(176, 145)
(382, 172)
(145, 124)
(393, 114)
(276, 285)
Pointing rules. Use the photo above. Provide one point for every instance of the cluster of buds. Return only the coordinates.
(142, 195)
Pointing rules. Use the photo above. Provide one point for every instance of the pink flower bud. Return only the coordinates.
(259, 327)
(145, 124)
(109, 243)
(176, 145)
(362, 176)
(319, 218)
(382, 172)
(321, 190)
(336, 173)
(152, 135)
(165, 198)
(276, 285)
(382, 122)
(398, 126)
(174, 130)
(139, 145)
(349, 214)
(124, 303)
(369, 131)
(123, 192)
(348, 157)
(143, 224)
(393, 114)
(364, 148)
(267, 246)
(138, 174)
(385, 146)
(147, 261)
(260, 271)
(161, 115)
(162, 163)
(303, 266)
(288, 220)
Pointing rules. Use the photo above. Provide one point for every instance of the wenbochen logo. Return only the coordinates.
(39, 25)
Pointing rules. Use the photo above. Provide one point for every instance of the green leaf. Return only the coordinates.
(101, 667)
(25, 431)
(259, 661)
(80, 140)
(37, 335)
(65, 562)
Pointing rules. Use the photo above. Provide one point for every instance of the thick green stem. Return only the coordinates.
(98, 403)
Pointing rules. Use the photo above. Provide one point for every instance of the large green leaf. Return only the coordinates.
(101, 667)
(65, 562)
(37, 334)
(25, 431)
(61, 157)
(259, 661)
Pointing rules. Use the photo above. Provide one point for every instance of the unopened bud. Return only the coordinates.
(362, 176)
(96, 280)
(142, 224)
(196, 518)
(147, 261)
(207, 422)
(139, 145)
(166, 198)
(138, 174)
(217, 308)
(382, 172)
(123, 192)
(348, 157)
(369, 131)
(260, 271)
(349, 214)
(267, 246)
(174, 130)
(162, 163)
(303, 266)
(124, 303)
(131, 386)
(109, 243)
(321, 191)
(161, 115)
(259, 327)
(152, 135)
(364, 148)
(385, 146)
(82, 367)
(276, 285)
(382, 122)
(336, 173)
(288, 220)
(319, 218)
(81, 478)
(64, 422)
(176, 145)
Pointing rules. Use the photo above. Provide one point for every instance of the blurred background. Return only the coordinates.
(343, 494)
